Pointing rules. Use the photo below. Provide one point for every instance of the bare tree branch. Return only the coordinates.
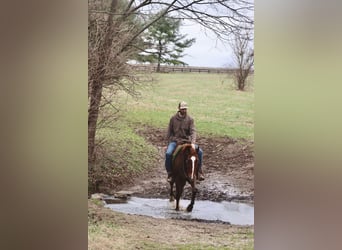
(244, 57)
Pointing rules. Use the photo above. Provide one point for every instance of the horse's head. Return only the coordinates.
(191, 162)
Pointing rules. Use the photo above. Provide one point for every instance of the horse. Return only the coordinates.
(184, 169)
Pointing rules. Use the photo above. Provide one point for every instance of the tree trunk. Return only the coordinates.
(93, 113)
(159, 55)
(241, 79)
(158, 67)
(97, 79)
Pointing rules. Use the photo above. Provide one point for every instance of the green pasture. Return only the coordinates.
(215, 104)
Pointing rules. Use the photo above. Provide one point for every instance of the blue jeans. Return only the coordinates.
(168, 156)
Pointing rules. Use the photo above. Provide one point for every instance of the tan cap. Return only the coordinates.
(183, 105)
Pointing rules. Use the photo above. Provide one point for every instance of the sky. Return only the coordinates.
(207, 51)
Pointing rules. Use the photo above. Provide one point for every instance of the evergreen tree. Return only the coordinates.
(165, 45)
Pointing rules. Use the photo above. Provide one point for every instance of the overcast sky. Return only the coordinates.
(207, 51)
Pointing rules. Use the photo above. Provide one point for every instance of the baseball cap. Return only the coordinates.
(183, 105)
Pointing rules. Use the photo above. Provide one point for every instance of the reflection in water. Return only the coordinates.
(232, 212)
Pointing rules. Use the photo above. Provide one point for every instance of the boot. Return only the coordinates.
(200, 175)
(169, 176)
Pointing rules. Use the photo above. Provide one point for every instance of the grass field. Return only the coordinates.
(215, 104)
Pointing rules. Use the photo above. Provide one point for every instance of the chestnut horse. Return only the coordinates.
(184, 169)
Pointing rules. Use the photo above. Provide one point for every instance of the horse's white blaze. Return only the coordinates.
(193, 158)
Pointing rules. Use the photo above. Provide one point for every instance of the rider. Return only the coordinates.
(181, 128)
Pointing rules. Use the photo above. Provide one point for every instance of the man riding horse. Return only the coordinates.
(181, 130)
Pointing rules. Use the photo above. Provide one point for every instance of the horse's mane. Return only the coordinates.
(180, 148)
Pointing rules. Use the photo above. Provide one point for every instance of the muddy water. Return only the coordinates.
(232, 212)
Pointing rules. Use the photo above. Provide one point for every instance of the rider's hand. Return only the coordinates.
(193, 145)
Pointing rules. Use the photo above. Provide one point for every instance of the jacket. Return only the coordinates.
(181, 129)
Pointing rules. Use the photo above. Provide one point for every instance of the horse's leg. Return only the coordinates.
(193, 196)
(179, 191)
(172, 196)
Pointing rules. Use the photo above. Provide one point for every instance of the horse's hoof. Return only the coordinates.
(189, 208)
(171, 199)
(177, 208)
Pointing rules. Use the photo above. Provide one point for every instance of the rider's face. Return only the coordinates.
(182, 111)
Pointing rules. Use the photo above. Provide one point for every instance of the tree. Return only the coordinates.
(107, 61)
(113, 34)
(244, 57)
(166, 43)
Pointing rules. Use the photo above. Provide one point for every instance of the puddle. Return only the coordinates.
(232, 212)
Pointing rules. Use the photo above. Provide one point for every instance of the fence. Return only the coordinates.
(169, 69)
